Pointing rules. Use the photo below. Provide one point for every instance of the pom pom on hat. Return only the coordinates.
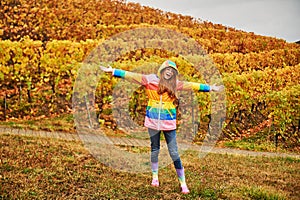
(167, 63)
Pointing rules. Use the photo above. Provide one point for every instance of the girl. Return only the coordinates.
(161, 89)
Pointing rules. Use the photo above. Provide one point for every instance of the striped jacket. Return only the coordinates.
(160, 111)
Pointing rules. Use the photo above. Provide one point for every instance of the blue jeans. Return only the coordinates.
(170, 137)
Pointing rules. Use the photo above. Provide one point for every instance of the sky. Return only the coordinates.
(275, 18)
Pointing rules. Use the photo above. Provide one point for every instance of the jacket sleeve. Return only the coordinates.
(130, 76)
(183, 85)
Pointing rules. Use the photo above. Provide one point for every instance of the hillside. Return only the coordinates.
(81, 19)
(43, 43)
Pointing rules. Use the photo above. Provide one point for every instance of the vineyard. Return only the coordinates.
(44, 43)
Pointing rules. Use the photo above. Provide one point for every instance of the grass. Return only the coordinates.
(261, 193)
(58, 123)
(36, 168)
(252, 145)
(258, 142)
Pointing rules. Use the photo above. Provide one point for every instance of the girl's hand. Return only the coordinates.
(216, 88)
(106, 69)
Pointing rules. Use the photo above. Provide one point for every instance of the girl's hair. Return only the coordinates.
(169, 85)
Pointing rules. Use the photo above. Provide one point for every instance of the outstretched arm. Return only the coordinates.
(183, 85)
(130, 76)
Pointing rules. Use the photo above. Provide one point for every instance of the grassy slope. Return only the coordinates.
(39, 168)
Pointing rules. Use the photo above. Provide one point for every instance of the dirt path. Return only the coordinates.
(134, 142)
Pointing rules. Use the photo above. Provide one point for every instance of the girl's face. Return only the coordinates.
(168, 73)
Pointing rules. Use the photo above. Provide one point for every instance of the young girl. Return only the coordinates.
(161, 89)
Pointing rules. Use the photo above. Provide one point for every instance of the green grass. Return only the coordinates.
(258, 142)
(252, 145)
(34, 168)
(59, 123)
(261, 193)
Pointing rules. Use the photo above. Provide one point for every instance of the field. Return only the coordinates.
(36, 168)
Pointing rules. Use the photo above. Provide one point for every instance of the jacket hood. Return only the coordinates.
(167, 63)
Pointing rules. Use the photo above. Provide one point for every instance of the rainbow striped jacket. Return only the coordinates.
(160, 111)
